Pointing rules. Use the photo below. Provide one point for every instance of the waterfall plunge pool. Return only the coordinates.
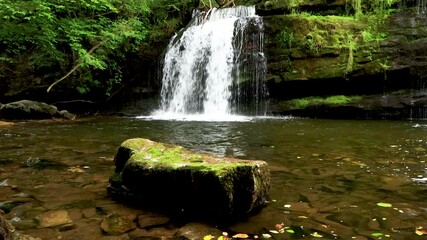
(328, 176)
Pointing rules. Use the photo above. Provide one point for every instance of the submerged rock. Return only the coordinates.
(172, 178)
(54, 218)
(27, 109)
(117, 225)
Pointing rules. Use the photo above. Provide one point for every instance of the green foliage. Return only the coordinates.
(56, 35)
(291, 5)
(377, 8)
(286, 37)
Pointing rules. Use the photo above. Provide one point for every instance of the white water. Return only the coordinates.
(203, 67)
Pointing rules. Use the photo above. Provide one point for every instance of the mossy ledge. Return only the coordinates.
(173, 179)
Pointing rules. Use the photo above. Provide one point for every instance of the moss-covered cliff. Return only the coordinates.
(366, 49)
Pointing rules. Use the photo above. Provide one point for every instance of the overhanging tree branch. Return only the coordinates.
(76, 66)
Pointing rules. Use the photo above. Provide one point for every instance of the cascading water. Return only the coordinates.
(216, 66)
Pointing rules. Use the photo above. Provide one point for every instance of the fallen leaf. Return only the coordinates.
(315, 234)
(274, 231)
(208, 237)
(221, 238)
(266, 235)
(377, 234)
(383, 204)
(421, 232)
(241, 235)
(290, 231)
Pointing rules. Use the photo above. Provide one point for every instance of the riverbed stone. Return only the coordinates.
(152, 219)
(171, 178)
(54, 218)
(193, 231)
(117, 225)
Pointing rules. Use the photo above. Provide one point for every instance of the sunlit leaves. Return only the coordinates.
(93, 34)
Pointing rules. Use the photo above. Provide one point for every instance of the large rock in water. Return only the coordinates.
(27, 109)
(171, 178)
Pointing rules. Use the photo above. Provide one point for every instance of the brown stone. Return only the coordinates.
(53, 218)
(117, 225)
(149, 220)
(89, 212)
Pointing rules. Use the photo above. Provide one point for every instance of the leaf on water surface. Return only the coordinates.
(266, 235)
(377, 234)
(290, 231)
(287, 205)
(241, 235)
(421, 232)
(315, 234)
(383, 204)
(208, 237)
(274, 231)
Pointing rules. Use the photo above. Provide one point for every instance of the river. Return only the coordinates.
(338, 179)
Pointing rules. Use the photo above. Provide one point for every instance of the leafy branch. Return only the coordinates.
(75, 67)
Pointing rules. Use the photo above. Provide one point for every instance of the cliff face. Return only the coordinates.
(335, 50)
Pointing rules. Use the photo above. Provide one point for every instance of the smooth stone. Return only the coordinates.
(193, 231)
(150, 220)
(117, 225)
(53, 218)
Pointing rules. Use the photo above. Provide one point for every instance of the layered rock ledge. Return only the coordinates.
(171, 178)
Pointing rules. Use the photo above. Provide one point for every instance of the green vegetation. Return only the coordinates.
(83, 41)
(291, 5)
(331, 100)
(351, 37)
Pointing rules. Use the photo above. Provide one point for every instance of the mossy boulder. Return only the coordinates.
(173, 179)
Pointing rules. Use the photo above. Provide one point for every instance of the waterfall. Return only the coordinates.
(216, 66)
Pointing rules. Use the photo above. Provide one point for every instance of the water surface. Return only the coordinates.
(328, 176)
